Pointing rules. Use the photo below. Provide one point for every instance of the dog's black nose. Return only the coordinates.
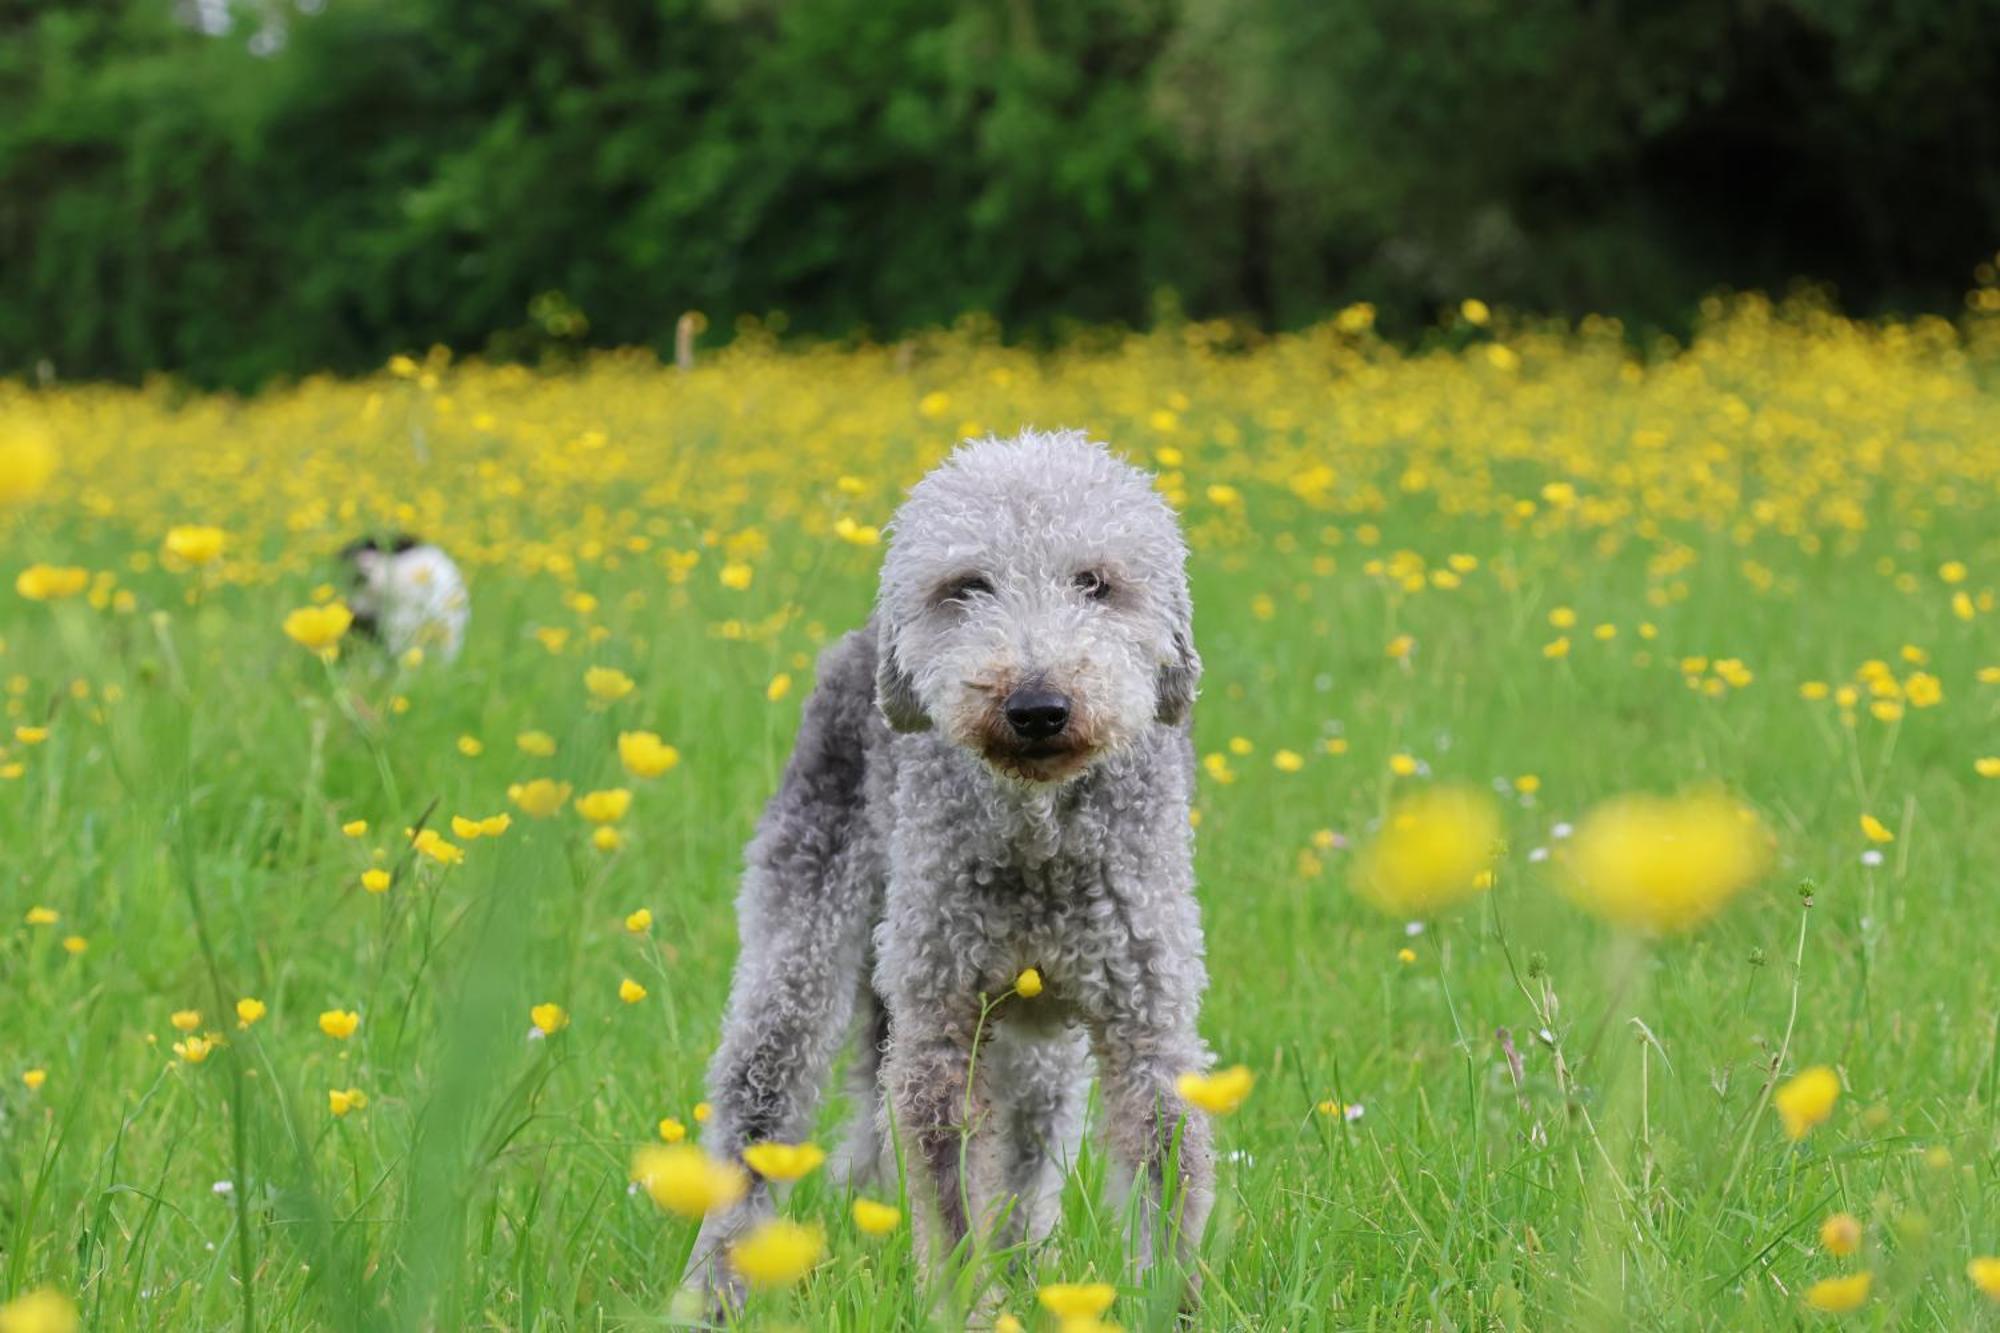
(1036, 712)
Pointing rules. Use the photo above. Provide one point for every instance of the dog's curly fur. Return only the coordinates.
(920, 854)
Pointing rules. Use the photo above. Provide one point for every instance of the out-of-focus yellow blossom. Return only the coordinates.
(319, 628)
(606, 838)
(549, 1017)
(644, 755)
(185, 1020)
(31, 735)
(1987, 766)
(631, 991)
(429, 842)
(540, 797)
(27, 461)
(339, 1023)
(736, 575)
(1429, 852)
(604, 807)
(1806, 1100)
(1077, 1300)
(34, 1078)
(44, 1310)
(1840, 1235)
(1288, 761)
(1219, 1093)
(783, 1161)
(684, 1180)
(1839, 1295)
(639, 922)
(777, 1253)
(74, 945)
(1875, 830)
(471, 746)
(342, 1100)
(196, 1049)
(194, 544)
(875, 1219)
(607, 684)
(1029, 984)
(539, 744)
(375, 880)
(249, 1010)
(51, 583)
(1664, 863)
(672, 1130)
(44, 916)
(1985, 1274)
(355, 828)
(780, 686)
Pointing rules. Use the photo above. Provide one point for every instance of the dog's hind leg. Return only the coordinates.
(811, 894)
(860, 1161)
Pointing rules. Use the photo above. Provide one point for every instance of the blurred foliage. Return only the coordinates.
(328, 181)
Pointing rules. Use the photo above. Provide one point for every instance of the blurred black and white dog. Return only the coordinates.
(406, 593)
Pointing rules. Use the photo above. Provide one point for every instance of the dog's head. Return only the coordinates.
(1034, 606)
(371, 566)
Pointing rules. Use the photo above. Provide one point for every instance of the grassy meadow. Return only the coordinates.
(1533, 561)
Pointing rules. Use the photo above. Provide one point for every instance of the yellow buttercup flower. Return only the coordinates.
(1219, 1093)
(1875, 830)
(875, 1219)
(537, 743)
(539, 798)
(31, 735)
(342, 1100)
(355, 828)
(631, 991)
(1029, 984)
(34, 1078)
(780, 686)
(51, 583)
(75, 944)
(639, 922)
(319, 628)
(1664, 863)
(672, 1130)
(42, 1311)
(644, 755)
(185, 1020)
(604, 807)
(339, 1023)
(249, 1010)
(375, 880)
(1839, 1295)
(783, 1161)
(1806, 1100)
(42, 916)
(1985, 1275)
(684, 1180)
(195, 1049)
(607, 684)
(1840, 1235)
(27, 461)
(194, 544)
(1430, 852)
(429, 842)
(550, 1018)
(778, 1253)
(1077, 1300)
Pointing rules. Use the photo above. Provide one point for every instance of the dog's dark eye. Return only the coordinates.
(972, 585)
(1093, 585)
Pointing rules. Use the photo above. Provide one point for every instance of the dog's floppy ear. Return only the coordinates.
(1174, 687)
(895, 692)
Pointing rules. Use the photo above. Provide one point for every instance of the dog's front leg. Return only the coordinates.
(933, 1094)
(1149, 1130)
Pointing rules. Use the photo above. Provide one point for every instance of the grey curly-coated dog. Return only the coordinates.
(992, 775)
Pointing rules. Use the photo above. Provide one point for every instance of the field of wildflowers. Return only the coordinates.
(1597, 835)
